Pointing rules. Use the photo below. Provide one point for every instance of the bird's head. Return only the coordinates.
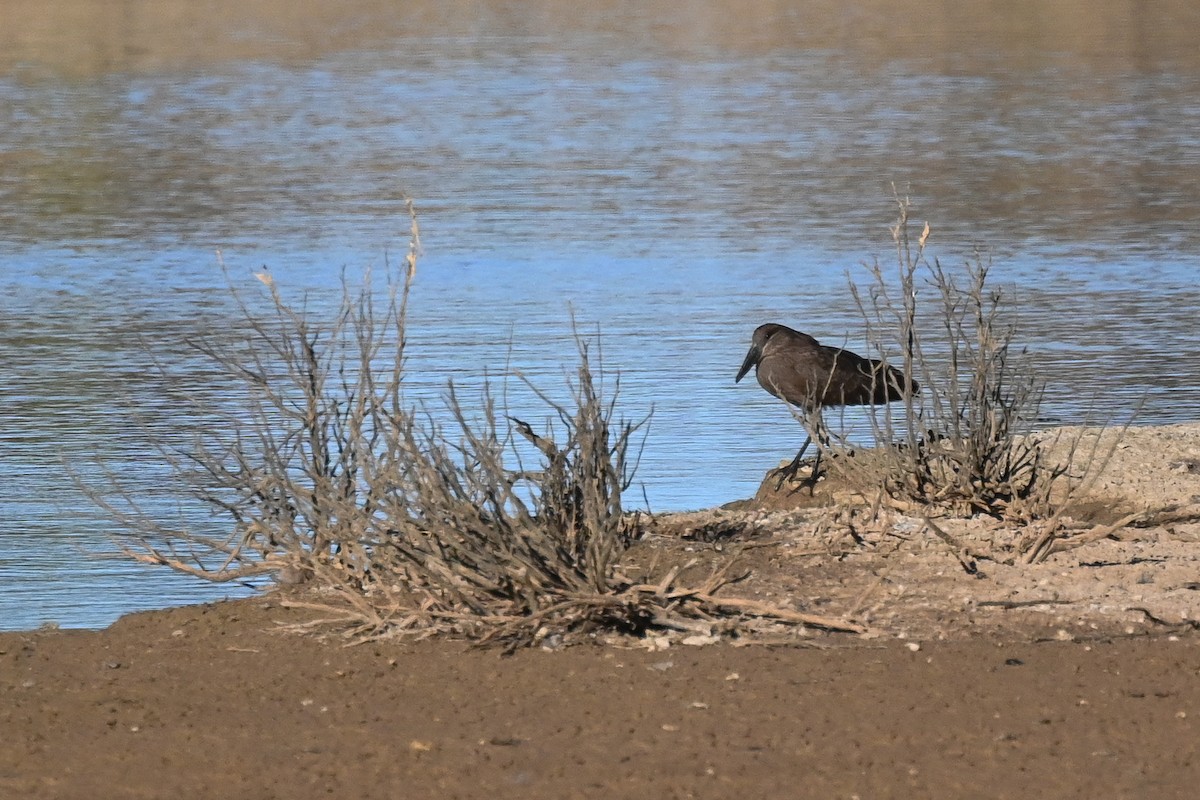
(758, 342)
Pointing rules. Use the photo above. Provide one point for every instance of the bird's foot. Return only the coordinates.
(790, 474)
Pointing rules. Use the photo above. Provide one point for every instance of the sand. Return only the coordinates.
(1076, 677)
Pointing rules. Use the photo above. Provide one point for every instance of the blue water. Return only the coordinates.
(672, 202)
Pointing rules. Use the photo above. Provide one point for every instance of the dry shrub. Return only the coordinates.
(964, 444)
(400, 517)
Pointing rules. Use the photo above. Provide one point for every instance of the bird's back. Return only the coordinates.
(797, 368)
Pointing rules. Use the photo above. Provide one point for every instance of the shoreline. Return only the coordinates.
(1154, 468)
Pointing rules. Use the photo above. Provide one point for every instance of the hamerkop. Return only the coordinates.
(808, 375)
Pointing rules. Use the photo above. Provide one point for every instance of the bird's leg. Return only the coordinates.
(823, 443)
(816, 468)
(822, 434)
(791, 469)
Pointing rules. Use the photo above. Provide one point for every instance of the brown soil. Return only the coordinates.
(1077, 677)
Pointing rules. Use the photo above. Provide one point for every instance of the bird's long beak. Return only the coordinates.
(751, 359)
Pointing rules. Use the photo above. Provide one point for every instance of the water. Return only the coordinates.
(671, 179)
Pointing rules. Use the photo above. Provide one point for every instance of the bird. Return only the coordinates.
(808, 375)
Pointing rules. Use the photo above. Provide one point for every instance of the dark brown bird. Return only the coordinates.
(806, 374)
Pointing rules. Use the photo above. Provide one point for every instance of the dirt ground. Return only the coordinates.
(977, 675)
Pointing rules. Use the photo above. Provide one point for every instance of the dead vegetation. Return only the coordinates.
(397, 517)
(965, 443)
